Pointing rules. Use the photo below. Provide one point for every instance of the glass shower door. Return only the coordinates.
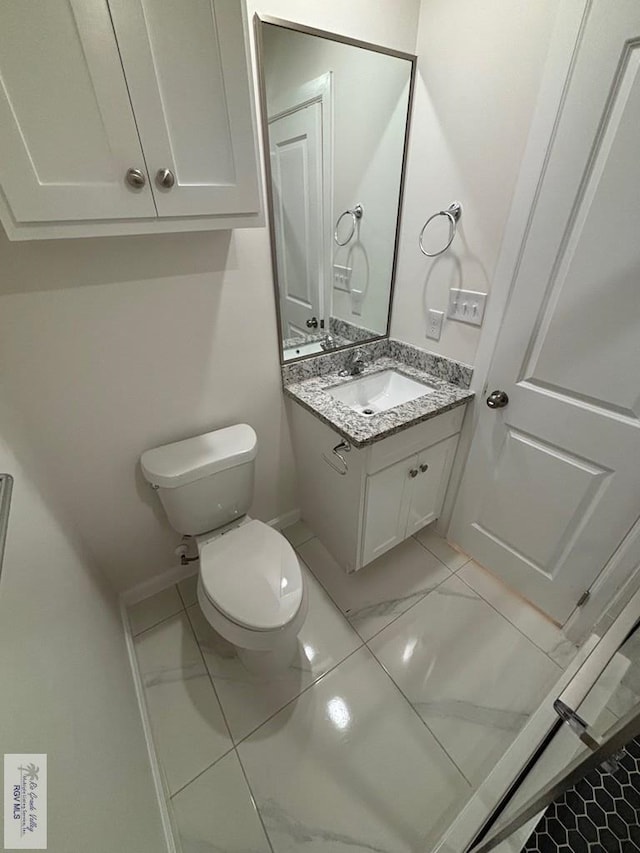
(583, 791)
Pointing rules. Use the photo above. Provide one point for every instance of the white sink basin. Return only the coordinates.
(379, 392)
(302, 349)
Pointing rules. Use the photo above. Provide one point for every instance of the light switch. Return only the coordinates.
(342, 277)
(466, 306)
(434, 324)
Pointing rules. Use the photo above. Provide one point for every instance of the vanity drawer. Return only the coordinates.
(414, 439)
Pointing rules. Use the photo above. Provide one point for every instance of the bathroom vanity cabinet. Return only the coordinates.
(388, 491)
(125, 117)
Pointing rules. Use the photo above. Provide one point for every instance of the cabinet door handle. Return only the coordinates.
(424, 467)
(165, 178)
(136, 178)
(413, 472)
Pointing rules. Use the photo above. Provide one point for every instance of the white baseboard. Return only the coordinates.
(178, 573)
(157, 583)
(285, 520)
(146, 725)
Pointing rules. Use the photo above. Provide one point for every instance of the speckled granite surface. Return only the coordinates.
(443, 368)
(310, 338)
(308, 387)
(351, 332)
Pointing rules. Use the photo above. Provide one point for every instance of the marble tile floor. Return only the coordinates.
(412, 678)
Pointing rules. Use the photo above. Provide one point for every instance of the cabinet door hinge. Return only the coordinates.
(584, 598)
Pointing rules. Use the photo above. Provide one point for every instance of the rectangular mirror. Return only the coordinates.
(336, 122)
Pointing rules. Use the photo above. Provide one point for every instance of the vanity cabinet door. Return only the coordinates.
(434, 467)
(387, 501)
(67, 131)
(187, 71)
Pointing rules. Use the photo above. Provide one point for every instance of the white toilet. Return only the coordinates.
(250, 586)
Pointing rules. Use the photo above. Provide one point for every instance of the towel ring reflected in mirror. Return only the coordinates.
(355, 213)
(453, 214)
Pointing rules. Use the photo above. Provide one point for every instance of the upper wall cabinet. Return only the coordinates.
(125, 117)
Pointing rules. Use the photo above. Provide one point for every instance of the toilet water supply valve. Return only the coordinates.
(182, 551)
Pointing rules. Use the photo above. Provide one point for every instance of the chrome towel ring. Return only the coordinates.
(453, 213)
(355, 214)
(343, 469)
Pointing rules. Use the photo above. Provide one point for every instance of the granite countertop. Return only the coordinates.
(363, 430)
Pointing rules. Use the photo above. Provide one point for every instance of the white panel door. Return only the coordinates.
(67, 132)
(295, 141)
(387, 499)
(552, 484)
(429, 486)
(187, 72)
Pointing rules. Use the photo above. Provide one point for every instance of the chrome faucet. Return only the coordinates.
(357, 365)
(328, 342)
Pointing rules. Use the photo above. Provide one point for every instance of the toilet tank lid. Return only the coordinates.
(192, 459)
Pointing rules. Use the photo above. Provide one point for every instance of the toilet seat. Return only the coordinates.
(252, 576)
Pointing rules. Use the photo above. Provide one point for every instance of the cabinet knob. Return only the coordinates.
(413, 472)
(424, 467)
(136, 178)
(165, 178)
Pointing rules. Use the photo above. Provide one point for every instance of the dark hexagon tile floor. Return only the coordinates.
(600, 814)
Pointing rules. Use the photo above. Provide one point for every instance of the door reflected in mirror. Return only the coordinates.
(336, 117)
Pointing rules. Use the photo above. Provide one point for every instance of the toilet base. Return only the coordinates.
(260, 652)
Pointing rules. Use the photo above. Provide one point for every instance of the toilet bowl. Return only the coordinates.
(252, 592)
(250, 586)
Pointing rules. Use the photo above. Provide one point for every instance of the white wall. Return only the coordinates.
(110, 346)
(392, 23)
(67, 689)
(113, 345)
(479, 66)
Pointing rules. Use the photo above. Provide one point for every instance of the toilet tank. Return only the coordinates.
(204, 482)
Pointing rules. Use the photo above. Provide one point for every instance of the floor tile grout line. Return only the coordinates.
(429, 551)
(423, 721)
(298, 695)
(184, 603)
(293, 699)
(513, 624)
(155, 624)
(202, 772)
(299, 544)
(344, 616)
(209, 676)
(235, 744)
(410, 607)
(320, 582)
(330, 597)
(254, 800)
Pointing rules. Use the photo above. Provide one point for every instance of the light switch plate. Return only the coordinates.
(434, 324)
(342, 277)
(466, 306)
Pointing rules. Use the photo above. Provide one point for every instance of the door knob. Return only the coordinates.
(312, 323)
(413, 473)
(424, 467)
(497, 399)
(165, 178)
(136, 178)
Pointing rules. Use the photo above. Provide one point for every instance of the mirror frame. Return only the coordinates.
(258, 21)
